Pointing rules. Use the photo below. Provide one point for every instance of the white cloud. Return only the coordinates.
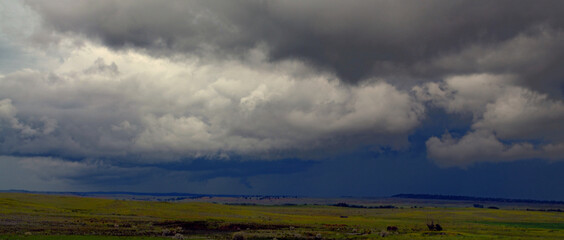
(529, 122)
(182, 134)
(484, 146)
(519, 113)
(101, 103)
(474, 147)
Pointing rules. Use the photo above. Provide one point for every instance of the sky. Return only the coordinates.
(308, 98)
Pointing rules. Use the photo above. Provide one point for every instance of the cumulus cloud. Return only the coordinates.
(484, 146)
(149, 109)
(509, 122)
(523, 114)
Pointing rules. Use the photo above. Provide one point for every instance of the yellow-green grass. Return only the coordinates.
(62, 237)
(48, 215)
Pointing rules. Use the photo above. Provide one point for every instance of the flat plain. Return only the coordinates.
(39, 216)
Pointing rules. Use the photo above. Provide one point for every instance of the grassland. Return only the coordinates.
(35, 216)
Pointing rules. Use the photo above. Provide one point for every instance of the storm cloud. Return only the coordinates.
(401, 40)
(104, 87)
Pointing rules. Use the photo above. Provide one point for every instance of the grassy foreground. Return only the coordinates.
(34, 216)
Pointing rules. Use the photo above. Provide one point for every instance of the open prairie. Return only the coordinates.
(36, 216)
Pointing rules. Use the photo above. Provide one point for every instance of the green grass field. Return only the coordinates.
(34, 216)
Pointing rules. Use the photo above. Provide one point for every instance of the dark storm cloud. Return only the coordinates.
(123, 91)
(250, 78)
(407, 40)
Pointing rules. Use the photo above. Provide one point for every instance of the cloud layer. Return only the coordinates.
(102, 87)
(105, 104)
(408, 40)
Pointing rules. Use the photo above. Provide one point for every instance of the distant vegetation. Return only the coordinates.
(361, 206)
(546, 210)
(155, 196)
(478, 199)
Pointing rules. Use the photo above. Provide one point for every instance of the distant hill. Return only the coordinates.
(181, 196)
(477, 199)
(141, 194)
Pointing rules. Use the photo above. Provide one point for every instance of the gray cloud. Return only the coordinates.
(138, 107)
(8, 117)
(405, 40)
(100, 67)
(510, 122)
(484, 146)
(531, 57)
